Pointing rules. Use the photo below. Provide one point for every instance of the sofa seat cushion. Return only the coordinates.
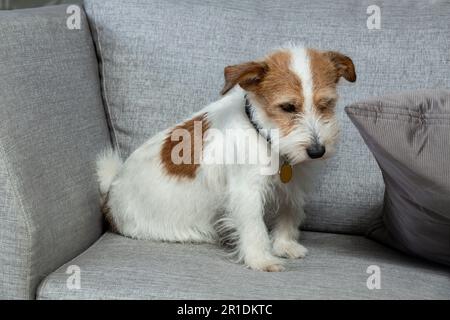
(116, 267)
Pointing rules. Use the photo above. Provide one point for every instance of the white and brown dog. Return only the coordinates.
(166, 190)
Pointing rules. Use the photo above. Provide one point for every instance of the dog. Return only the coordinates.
(284, 103)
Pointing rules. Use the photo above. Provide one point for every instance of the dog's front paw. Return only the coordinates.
(289, 249)
(266, 263)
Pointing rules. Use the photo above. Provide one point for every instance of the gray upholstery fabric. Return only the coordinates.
(409, 135)
(121, 268)
(164, 59)
(52, 124)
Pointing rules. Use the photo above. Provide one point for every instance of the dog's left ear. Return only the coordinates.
(344, 65)
(247, 75)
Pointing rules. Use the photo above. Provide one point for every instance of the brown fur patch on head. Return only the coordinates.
(323, 70)
(326, 69)
(280, 86)
(329, 66)
(195, 130)
(276, 85)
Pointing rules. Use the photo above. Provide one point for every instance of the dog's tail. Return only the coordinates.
(108, 165)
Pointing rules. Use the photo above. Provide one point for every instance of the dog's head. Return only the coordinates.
(294, 90)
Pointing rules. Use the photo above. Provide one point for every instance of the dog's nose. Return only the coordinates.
(316, 151)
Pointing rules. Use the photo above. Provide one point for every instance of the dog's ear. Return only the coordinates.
(247, 75)
(344, 65)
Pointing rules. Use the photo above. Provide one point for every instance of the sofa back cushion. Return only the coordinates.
(164, 59)
(52, 125)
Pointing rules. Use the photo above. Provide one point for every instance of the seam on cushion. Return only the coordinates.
(434, 122)
(103, 81)
(41, 285)
(393, 109)
(372, 114)
(25, 217)
(45, 281)
(409, 113)
(363, 108)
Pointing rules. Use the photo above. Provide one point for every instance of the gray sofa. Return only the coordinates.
(134, 68)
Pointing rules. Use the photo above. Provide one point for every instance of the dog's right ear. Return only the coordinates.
(247, 75)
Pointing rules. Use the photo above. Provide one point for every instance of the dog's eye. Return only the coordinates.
(326, 104)
(287, 107)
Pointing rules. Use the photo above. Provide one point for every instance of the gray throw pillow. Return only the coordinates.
(409, 135)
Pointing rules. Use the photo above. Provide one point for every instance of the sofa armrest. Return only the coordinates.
(52, 125)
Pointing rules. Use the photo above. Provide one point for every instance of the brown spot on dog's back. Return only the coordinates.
(195, 129)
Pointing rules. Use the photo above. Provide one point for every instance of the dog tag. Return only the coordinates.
(285, 172)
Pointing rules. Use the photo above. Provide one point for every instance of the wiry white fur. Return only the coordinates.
(108, 165)
(147, 203)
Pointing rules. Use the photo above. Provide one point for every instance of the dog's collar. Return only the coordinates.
(285, 171)
(249, 111)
